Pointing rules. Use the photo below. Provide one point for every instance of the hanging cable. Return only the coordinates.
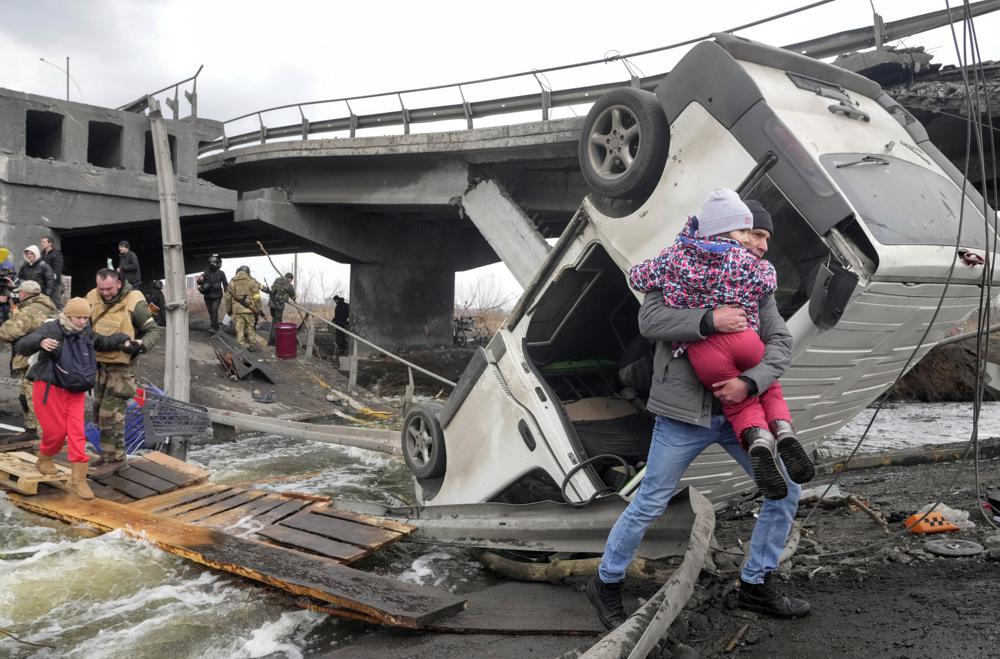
(930, 324)
(973, 444)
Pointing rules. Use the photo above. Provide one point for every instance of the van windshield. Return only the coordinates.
(903, 203)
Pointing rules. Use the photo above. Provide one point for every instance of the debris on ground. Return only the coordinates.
(857, 577)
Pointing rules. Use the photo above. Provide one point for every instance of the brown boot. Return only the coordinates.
(78, 481)
(46, 464)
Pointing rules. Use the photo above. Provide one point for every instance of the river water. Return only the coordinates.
(108, 596)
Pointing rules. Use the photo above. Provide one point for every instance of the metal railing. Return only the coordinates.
(543, 101)
(140, 104)
(410, 366)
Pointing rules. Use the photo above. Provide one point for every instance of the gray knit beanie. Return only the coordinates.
(723, 211)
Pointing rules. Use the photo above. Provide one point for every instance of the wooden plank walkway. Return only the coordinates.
(291, 541)
(365, 595)
(18, 472)
(149, 475)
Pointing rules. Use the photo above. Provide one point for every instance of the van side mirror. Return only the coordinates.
(831, 291)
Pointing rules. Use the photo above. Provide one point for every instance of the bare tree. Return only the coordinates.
(482, 295)
(480, 307)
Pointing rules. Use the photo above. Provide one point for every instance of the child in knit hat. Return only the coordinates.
(709, 266)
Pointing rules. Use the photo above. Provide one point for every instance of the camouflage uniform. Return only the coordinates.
(30, 315)
(242, 301)
(128, 314)
(281, 292)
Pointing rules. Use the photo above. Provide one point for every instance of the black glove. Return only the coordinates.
(134, 348)
(111, 342)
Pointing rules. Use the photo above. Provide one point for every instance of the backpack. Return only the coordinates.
(76, 367)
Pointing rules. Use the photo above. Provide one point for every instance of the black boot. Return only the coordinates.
(607, 599)
(800, 467)
(765, 598)
(768, 477)
(105, 466)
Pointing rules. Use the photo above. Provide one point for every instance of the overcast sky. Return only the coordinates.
(261, 54)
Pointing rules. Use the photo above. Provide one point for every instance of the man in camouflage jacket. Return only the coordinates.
(281, 292)
(35, 308)
(120, 312)
(243, 304)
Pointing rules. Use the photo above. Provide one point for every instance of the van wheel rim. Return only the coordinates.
(614, 142)
(418, 442)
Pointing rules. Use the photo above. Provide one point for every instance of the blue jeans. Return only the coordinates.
(674, 446)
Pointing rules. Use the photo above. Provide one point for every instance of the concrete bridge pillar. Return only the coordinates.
(400, 306)
(510, 232)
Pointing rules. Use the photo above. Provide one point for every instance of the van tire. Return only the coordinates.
(423, 443)
(624, 144)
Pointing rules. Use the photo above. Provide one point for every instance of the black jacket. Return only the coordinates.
(128, 265)
(341, 313)
(55, 261)
(40, 272)
(52, 329)
(213, 284)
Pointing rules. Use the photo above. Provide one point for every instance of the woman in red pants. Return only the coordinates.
(65, 371)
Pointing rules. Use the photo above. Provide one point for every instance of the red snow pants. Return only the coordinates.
(61, 415)
(723, 356)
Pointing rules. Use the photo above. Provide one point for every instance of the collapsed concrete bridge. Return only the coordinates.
(405, 211)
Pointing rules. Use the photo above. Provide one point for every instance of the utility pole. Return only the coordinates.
(177, 370)
(67, 77)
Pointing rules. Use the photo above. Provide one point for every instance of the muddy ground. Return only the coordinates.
(887, 598)
(873, 594)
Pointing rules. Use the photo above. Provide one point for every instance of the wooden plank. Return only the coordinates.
(200, 503)
(18, 472)
(257, 507)
(343, 530)
(364, 519)
(156, 469)
(158, 485)
(314, 543)
(16, 446)
(384, 598)
(222, 506)
(196, 474)
(178, 497)
(284, 510)
(21, 463)
(18, 484)
(109, 493)
(134, 490)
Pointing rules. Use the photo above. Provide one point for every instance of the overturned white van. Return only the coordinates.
(876, 238)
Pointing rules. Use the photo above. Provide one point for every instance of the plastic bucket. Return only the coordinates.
(286, 340)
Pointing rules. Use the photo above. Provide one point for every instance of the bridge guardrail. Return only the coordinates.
(544, 100)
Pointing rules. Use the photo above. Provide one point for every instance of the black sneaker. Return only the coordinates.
(766, 474)
(607, 600)
(765, 598)
(800, 467)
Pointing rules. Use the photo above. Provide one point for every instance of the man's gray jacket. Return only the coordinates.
(676, 391)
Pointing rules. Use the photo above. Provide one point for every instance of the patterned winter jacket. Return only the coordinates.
(707, 273)
(29, 316)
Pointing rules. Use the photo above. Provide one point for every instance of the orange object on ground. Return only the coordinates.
(933, 523)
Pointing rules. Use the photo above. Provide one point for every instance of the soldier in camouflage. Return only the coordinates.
(120, 312)
(35, 308)
(281, 292)
(243, 304)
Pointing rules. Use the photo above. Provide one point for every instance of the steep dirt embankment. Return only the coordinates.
(947, 374)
